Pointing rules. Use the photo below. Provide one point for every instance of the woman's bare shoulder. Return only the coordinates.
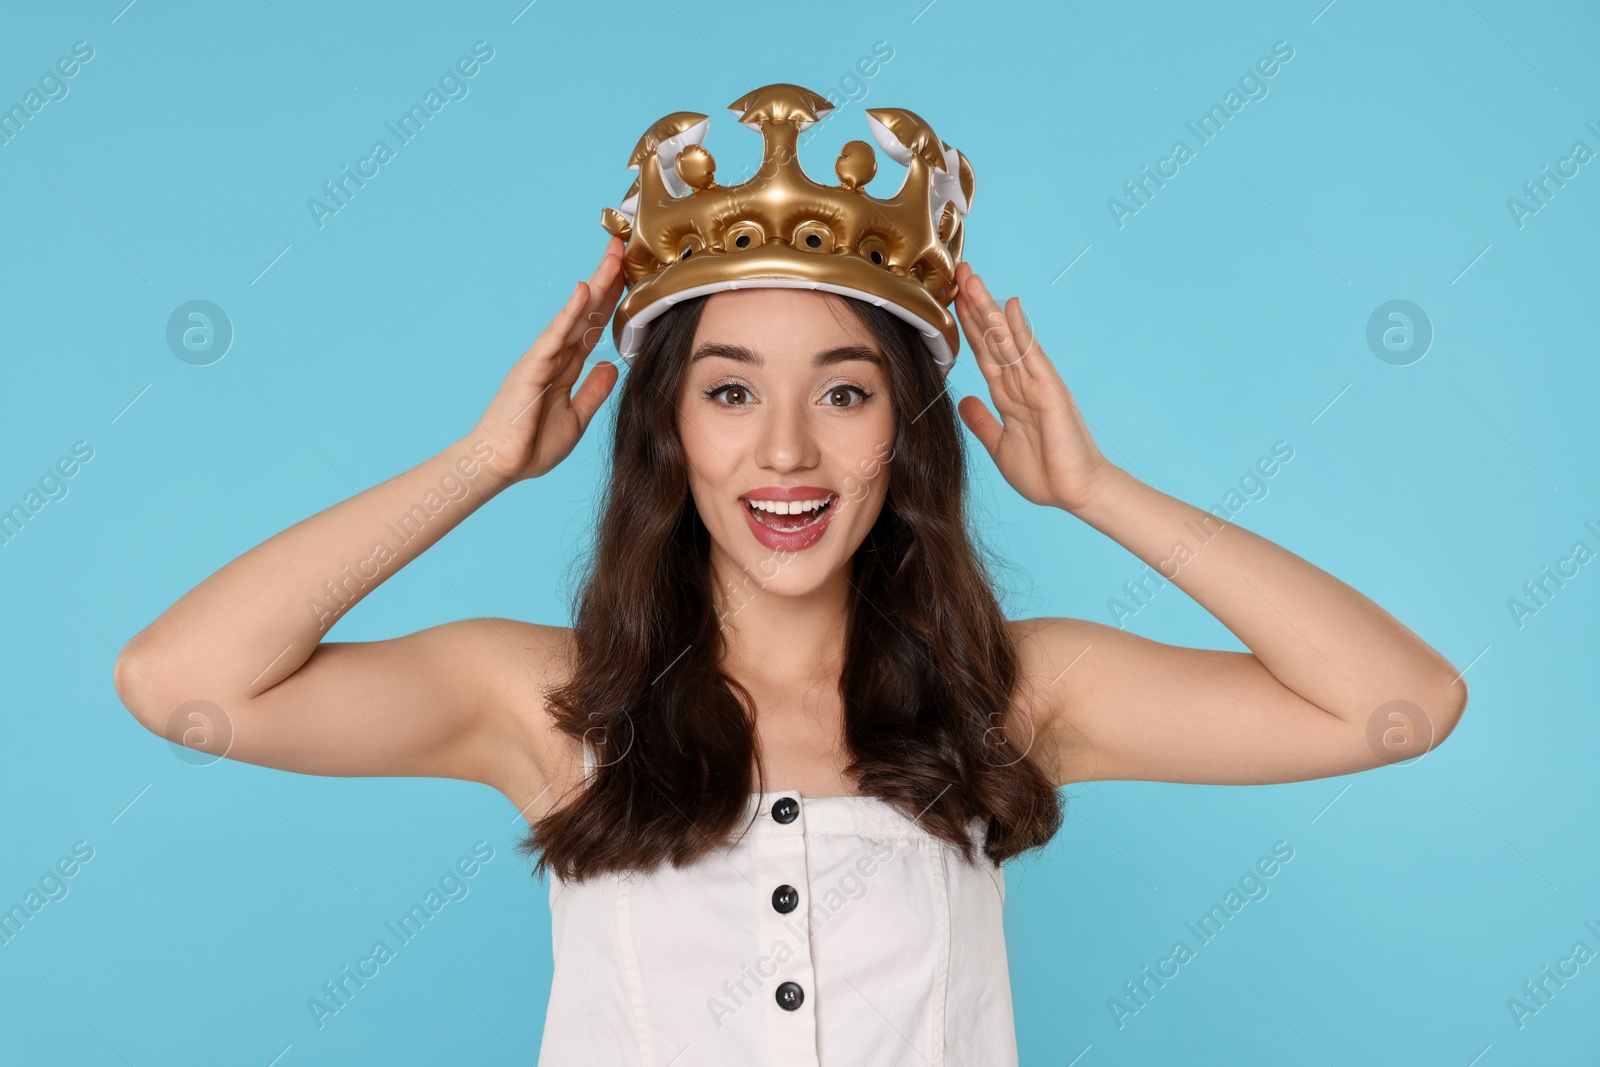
(1046, 650)
(1049, 645)
(536, 763)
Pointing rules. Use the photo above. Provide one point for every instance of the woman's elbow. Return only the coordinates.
(1451, 704)
(130, 677)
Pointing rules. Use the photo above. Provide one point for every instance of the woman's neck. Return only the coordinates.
(782, 638)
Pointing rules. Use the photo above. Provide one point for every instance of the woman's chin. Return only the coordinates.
(755, 570)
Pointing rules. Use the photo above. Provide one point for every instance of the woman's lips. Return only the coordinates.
(790, 540)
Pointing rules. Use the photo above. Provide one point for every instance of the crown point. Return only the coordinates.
(616, 222)
(665, 129)
(781, 102)
(904, 134)
(856, 165)
(697, 167)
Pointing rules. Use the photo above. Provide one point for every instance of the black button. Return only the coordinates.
(785, 898)
(790, 995)
(786, 809)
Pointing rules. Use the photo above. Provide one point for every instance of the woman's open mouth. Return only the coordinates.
(789, 526)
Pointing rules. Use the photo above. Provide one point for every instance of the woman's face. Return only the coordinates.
(785, 399)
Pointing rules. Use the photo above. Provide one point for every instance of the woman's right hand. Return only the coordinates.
(535, 419)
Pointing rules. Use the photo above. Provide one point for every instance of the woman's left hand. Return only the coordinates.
(1043, 448)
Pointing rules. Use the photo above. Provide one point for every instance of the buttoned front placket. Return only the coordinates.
(786, 967)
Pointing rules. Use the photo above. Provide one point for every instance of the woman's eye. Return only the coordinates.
(844, 390)
(713, 393)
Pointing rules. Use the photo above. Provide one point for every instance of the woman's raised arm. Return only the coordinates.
(1332, 683)
(248, 641)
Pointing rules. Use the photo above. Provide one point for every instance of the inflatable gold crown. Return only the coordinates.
(688, 236)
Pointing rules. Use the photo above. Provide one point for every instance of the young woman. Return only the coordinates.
(776, 762)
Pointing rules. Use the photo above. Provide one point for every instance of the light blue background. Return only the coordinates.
(1229, 313)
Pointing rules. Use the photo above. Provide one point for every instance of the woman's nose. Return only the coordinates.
(787, 437)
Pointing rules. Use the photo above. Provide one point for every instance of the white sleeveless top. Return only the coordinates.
(834, 932)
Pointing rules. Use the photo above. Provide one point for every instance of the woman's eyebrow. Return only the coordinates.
(827, 357)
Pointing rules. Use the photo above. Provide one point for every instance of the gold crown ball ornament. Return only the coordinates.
(687, 236)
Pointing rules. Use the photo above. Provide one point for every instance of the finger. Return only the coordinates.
(996, 325)
(988, 366)
(547, 344)
(981, 421)
(607, 276)
(612, 283)
(1021, 329)
(967, 315)
(982, 320)
(593, 392)
(605, 289)
(614, 249)
(568, 364)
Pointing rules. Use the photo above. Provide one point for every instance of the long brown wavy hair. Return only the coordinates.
(929, 670)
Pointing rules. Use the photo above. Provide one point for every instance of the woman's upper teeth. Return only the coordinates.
(780, 507)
